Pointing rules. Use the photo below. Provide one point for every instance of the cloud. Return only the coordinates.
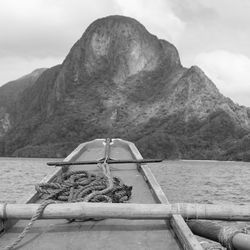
(33, 31)
(229, 71)
(40, 28)
(211, 26)
(157, 16)
(195, 12)
(50, 27)
(13, 68)
(40, 33)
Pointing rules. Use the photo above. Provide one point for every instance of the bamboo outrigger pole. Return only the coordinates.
(228, 236)
(127, 211)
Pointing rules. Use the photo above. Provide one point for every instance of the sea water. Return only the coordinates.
(214, 182)
(18, 177)
(211, 182)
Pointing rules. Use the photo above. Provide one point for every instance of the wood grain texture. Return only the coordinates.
(180, 228)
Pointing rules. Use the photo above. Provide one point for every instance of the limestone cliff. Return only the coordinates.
(9, 93)
(118, 80)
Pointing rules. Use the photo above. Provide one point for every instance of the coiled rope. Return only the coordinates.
(79, 186)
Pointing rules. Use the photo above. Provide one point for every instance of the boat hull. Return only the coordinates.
(108, 233)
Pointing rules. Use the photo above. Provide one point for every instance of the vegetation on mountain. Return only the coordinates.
(118, 80)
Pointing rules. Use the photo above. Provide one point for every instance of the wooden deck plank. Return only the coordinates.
(181, 229)
(104, 234)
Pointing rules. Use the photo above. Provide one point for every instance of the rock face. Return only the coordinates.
(118, 80)
(9, 93)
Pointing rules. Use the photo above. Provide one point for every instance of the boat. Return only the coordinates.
(144, 220)
(109, 233)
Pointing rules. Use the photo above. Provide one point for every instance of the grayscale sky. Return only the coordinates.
(213, 34)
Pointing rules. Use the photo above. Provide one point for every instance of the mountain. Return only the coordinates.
(9, 93)
(118, 80)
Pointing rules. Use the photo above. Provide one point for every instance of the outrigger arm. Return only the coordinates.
(109, 161)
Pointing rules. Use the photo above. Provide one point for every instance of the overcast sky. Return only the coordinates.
(213, 34)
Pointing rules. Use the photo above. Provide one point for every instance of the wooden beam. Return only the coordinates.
(179, 226)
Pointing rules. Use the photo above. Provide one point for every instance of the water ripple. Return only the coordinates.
(183, 181)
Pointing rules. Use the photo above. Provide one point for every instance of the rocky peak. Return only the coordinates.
(171, 54)
(198, 82)
(120, 43)
(117, 46)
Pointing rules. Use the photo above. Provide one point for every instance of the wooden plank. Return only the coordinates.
(184, 234)
(2, 226)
